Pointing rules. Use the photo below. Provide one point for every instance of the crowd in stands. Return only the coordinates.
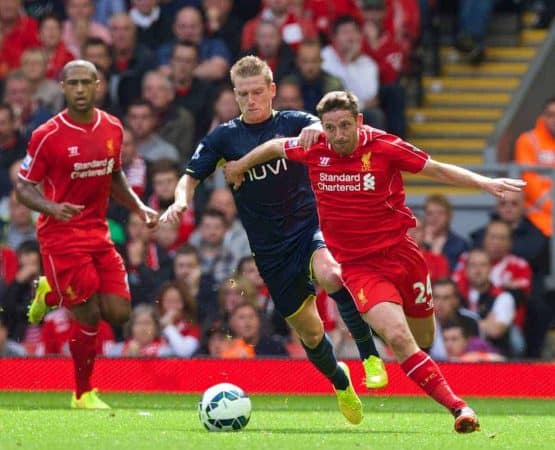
(163, 70)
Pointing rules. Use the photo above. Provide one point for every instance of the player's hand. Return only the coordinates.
(149, 217)
(498, 186)
(234, 174)
(65, 211)
(173, 213)
(309, 136)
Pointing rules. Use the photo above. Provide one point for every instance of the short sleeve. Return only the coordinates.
(404, 156)
(118, 139)
(293, 151)
(34, 166)
(205, 159)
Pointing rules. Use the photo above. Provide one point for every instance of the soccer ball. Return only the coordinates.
(224, 407)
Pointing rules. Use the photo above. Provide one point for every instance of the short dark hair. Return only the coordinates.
(165, 165)
(141, 102)
(29, 246)
(343, 20)
(7, 107)
(211, 212)
(97, 42)
(187, 249)
(241, 264)
(445, 281)
(186, 43)
(456, 323)
(338, 100)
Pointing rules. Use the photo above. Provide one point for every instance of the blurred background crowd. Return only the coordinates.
(163, 68)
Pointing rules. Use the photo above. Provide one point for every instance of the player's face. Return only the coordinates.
(79, 88)
(254, 97)
(341, 129)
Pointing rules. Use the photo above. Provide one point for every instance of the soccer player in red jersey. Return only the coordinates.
(355, 172)
(71, 169)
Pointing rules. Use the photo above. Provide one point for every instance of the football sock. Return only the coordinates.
(323, 358)
(359, 329)
(422, 369)
(82, 345)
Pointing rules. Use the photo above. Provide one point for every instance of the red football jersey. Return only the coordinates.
(74, 162)
(361, 197)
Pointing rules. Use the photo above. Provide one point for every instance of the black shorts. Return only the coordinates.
(290, 281)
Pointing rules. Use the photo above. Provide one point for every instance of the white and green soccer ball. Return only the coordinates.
(224, 407)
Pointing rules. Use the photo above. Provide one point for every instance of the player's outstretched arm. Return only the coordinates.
(451, 174)
(234, 170)
(122, 193)
(28, 194)
(184, 193)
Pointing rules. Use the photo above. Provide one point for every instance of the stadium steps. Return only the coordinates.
(462, 106)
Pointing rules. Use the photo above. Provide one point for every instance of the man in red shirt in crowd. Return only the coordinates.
(355, 172)
(76, 158)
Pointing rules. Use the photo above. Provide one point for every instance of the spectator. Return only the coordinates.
(217, 340)
(141, 120)
(18, 32)
(461, 346)
(293, 28)
(438, 264)
(473, 20)
(323, 13)
(537, 147)
(495, 306)
(528, 241)
(28, 113)
(43, 90)
(246, 268)
(447, 304)
(56, 330)
(289, 96)
(20, 226)
(438, 236)
(509, 271)
(132, 163)
(178, 319)
(215, 256)
(8, 348)
(52, 45)
(175, 124)
(165, 174)
(148, 265)
(235, 240)
(245, 324)
(191, 93)
(153, 28)
(269, 46)
(80, 25)
(130, 60)
(232, 292)
(20, 290)
(357, 71)
(385, 50)
(225, 107)
(143, 335)
(223, 24)
(214, 55)
(12, 147)
(99, 53)
(314, 82)
(186, 269)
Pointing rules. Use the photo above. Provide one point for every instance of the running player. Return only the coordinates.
(75, 156)
(355, 172)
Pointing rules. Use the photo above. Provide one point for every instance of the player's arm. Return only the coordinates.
(29, 194)
(451, 174)
(122, 193)
(234, 170)
(184, 192)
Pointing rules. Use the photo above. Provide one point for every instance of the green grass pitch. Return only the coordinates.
(164, 421)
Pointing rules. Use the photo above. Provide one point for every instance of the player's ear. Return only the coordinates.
(273, 89)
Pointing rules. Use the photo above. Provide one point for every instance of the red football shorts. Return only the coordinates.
(75, 277)
(398, 274)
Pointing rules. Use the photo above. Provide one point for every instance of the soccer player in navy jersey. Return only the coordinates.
(277, 209)
(355, 172)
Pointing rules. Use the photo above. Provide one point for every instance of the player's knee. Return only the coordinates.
(311, 338)
(330, 278)
(398, 336)
(117, 314)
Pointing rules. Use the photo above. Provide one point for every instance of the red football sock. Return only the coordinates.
(422, 369)
(82, 344)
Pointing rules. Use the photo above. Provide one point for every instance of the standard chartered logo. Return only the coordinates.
(369, 182)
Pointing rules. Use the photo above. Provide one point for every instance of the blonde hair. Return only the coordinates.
(251, 66)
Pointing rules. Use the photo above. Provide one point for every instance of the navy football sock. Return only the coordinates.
(323, 358)
(359, 329)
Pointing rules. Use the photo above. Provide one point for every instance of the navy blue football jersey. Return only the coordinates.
(275, 203)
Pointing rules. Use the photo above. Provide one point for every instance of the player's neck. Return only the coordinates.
(83, 117)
